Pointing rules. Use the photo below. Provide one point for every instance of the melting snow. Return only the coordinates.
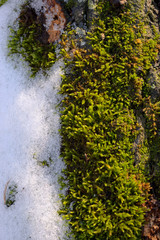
(29, 123)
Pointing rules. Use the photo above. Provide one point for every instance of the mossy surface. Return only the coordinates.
(106, 89)
(11, 195)
(2, 2)
(30, 40)
(70, 4)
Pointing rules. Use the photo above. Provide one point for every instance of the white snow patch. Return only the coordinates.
(37, 4)
(29, 123)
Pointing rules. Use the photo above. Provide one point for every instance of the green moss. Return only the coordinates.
(11, 195)
(105, 86)
(30, 40)
(2, 2)
(46, 163)
(144, 152)
(70, 4)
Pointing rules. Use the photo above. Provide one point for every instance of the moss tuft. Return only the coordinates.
(2, 2)
(105, 88)
(30, 40)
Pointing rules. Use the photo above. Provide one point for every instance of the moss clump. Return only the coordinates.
(11, 195)
(70, 4)
(105, 88)
(46, 163)
(30, 40)
(2, 2)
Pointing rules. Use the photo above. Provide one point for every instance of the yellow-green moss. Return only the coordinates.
(105, 88)
(30, 41)
(2, 2)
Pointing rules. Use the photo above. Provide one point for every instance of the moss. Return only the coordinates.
(70, 4)
(46, 163)
(11, 195)
(2, 2)
(30, 40)
(105, 86)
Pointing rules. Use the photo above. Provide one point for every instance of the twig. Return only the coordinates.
(5, 190)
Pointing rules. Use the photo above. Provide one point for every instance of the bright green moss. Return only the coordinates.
(30, 40)
(105, 89)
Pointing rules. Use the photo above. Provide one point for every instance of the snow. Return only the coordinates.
(29, 134)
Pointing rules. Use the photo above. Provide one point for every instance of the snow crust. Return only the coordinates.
(29, 134)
